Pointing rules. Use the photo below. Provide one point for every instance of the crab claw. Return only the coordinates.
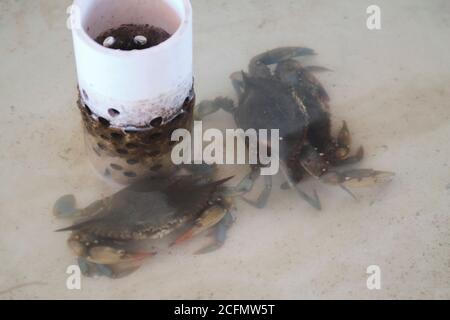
(358, 178)
(317, 69)
(208, 219)
(344, 137)
(110, 256)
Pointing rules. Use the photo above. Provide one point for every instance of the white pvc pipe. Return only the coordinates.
(140, 84)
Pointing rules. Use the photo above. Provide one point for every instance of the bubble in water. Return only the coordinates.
(109, 42)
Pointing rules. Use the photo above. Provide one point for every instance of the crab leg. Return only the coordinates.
(208, 107)
(313, 201)
(110, 271)
(237, 80)
(90, 269)
(109, 256)
(220, 234)
(259, 65)
(205, 108)
(65, 207)
(261, 202)
(361, 178)
(317, 69)
(281, 54)
(207, 220)
(358, 178)
(247, 184)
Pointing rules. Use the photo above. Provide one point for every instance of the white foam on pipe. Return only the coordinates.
(140, 84)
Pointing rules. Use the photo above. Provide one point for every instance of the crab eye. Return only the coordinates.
(121, 252)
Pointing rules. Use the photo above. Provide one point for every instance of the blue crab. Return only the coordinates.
(107, 236)
(279, 92)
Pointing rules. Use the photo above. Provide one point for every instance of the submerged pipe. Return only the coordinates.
(131, 101)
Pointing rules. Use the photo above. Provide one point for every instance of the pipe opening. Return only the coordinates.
(99, 16)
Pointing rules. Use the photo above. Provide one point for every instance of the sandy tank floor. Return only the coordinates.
(392, 87)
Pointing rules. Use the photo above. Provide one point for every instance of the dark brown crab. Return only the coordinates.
(107, 234)
(291, 99)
